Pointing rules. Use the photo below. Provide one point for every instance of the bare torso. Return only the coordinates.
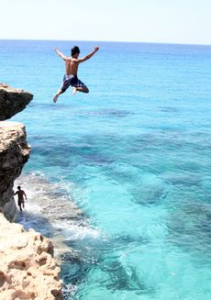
(20, 195)
(71, 66)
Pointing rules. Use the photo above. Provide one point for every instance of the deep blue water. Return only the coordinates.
(134, 155)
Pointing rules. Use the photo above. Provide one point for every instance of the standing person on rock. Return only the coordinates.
(21, 195)
(71, 68)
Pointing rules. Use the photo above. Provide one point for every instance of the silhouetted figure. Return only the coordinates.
(21, 194)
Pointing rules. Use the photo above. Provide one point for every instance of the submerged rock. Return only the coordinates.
(12, 101)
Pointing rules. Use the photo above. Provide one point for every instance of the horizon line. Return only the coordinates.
(104, 41)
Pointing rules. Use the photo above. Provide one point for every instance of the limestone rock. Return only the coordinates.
(12, 101)
(27, 267)
(14, 153)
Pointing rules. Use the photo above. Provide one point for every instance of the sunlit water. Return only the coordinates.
(134, 157)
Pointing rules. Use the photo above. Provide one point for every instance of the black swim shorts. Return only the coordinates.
(71, 80)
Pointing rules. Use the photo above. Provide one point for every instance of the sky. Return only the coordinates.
(156, 21)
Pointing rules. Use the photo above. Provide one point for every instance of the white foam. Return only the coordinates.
(76, 231)
(51, 202)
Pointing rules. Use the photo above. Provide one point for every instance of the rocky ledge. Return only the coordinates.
(27, 267)
(12, 101)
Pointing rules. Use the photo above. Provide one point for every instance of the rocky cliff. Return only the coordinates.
(14, 153)
(12, 101)
(14, 150)
(27, 267)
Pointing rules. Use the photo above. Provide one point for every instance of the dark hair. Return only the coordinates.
(19, 187)
(75, 50)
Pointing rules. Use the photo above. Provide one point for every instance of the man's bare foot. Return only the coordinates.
(74, 91)
(55, 98)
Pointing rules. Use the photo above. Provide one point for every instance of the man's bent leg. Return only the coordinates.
(80, 89)
(57, 95)
(79, 86)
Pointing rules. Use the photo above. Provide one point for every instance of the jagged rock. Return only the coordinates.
(27, 267)
(14, 153)
(12, 101)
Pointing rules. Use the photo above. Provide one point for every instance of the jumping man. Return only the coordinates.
(71, 68)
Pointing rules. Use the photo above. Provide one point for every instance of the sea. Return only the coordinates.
(120, 178)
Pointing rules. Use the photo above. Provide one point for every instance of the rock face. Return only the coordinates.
(27, 268)
(12, 101)
(14, 153)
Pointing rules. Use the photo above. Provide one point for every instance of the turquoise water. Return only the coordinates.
(134, 155)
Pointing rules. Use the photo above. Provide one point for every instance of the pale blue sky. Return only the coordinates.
(164, 21)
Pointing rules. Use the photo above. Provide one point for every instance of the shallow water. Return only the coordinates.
(134, 157)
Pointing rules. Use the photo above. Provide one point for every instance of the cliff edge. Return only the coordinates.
(12, 101)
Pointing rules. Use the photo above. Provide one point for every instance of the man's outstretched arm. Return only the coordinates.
(60, 54)
(89, 55)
